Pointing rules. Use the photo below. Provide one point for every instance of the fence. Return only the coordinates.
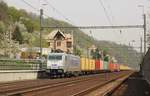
(21, 64)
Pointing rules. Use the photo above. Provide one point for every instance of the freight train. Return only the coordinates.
(63, 64)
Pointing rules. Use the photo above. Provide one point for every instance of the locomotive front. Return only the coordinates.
(55, 63)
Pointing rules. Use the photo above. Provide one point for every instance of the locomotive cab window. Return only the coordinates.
(56, 57)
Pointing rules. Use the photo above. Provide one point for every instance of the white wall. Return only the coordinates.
(16, 75)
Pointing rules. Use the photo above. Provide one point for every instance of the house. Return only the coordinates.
(60, 41)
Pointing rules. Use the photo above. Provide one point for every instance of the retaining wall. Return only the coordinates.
(18, 75)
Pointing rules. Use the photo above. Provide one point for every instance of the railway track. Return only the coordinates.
(61, 87)
(103, 89)
(23, 85)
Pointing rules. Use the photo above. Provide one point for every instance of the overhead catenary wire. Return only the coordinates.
(105, 11)
(111, 15)
(36, 9)
(27, 3)
(85, 27)
(60, 13)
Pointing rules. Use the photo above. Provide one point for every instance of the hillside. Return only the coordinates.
(22, 29)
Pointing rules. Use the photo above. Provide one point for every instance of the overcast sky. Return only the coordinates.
(91, 12)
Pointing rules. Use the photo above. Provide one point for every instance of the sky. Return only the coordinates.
(93, 12)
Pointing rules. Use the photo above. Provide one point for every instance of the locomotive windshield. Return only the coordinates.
(55, 57)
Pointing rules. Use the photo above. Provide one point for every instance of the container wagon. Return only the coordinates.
(67, 64)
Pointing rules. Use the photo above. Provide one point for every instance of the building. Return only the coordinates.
(33, 52)
(60, 41)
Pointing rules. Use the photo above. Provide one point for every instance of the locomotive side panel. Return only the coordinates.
(72, 63)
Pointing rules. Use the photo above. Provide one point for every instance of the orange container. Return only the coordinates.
(101, 65)
(111, 66)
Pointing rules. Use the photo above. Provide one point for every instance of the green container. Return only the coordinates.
(105, 65)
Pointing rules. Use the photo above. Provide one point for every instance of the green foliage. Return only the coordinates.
(106, 58)
(2, 28)
(96, 54)
(105, 51)
(3, 11)
(29, 25)
(77, 51)
(2, 34)
(17, 36)
(14, 14)
(36, 42)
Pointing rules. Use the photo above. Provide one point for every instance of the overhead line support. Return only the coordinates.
(96, 27)
(144, 26)
(41, 28)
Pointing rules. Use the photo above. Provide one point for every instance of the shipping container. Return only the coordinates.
(111, 66)
(97, 64)
(115, 66)
(101, 65)
(105, 65)
(118, 68)
(83, 63)
(91, 64)
(87, 64)
(124, 67)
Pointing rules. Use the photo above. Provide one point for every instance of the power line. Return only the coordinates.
(60, 13)
(30, 5)
(111, 14)
(36, 9)
(105, 11)
(86, 27)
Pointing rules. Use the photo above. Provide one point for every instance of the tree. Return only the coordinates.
(3, 11)
(2, 30)
(106, 58)
(77, 51)
(14, 13)
(29, 25)
(96, 54)
(2, 33)
(17, 36)
(105, 51)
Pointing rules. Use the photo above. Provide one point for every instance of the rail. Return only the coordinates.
(38, 88)
(102, 86)
(46, 85)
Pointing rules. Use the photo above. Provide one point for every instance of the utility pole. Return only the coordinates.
(141, 55)
(72, 41)
(41, 28)
(144, 16)
(141, 47)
